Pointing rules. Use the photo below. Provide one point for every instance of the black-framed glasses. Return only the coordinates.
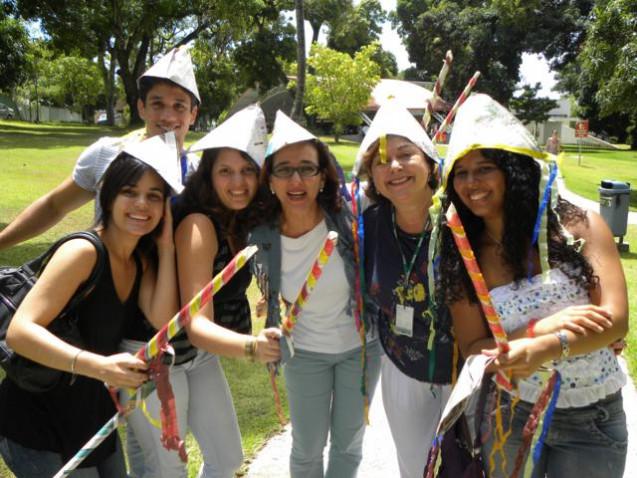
(305, 171)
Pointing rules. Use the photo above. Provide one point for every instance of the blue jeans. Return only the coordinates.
(29, 463)
(581, 442)
(324, 393)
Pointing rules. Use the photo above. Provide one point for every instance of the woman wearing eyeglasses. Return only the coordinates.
(323, 377)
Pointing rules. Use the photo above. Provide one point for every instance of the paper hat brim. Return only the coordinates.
(161, 155)
(176, 66)
(245, 131)
(483, 123)
(394, 119)
(286, 132)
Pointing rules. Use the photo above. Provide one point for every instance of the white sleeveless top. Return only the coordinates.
(586, 378)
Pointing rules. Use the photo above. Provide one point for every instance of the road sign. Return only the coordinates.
(581, 129)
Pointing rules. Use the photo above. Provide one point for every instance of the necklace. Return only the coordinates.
(497, 243)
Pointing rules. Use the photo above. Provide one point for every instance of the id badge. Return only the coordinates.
(404, 320)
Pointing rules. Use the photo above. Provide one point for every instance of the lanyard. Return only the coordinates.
(407, 268)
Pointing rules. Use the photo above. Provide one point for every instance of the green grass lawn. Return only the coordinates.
(584, 178)
(36, 158)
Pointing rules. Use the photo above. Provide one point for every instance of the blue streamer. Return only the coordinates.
(184, 167)
(546, 198)
(548, 417)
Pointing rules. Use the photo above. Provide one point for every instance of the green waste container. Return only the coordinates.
(614, 198)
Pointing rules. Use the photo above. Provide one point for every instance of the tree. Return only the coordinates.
(297, 107)
(14, 67)
(324, 12)
(610, 58)
(489, 36)
(530, 108)
(359, 26)
(341, 85)
(132, 32)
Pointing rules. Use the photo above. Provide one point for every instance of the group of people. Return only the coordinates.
(393, 300)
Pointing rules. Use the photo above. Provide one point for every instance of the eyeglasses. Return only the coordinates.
(305, 171)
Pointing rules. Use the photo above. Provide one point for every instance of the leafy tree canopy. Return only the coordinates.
(340, 86)
(13, 59)
(530, 108)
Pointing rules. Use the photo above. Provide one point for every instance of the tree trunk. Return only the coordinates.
(297, 107)
(129, 78)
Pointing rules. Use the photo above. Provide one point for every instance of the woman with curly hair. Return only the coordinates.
(323, 377)
(559, 290)
(212, 216)
(400, 162)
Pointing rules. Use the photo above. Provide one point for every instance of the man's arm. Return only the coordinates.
(44, 213)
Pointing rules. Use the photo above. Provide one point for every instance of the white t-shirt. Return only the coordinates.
(324, 324)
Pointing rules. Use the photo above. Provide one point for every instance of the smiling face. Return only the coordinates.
(167, 107)
(299, 191)
(234, 179)
(404, 177)
(480, 184)
(138, 208)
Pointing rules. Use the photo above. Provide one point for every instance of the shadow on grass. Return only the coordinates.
(21, 253)
(18, 137)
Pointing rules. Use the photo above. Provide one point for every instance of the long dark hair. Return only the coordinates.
(126, 170)
(329, 198)
(200, 196)
(521, 202)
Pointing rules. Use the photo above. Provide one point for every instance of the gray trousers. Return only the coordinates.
(324, 393)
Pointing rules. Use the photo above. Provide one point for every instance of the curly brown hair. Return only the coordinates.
(521, 202)
(200, 196)
(329, 198)
(366, 172)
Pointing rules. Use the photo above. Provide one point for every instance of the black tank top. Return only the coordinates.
(65, 418)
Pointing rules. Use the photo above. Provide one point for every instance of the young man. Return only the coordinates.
(168, 101)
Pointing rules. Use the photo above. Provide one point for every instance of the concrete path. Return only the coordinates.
(379, 453)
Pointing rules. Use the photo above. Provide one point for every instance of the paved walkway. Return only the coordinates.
(379, 458)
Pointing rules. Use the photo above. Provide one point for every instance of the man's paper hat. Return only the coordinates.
(394, 119)
(176, 66)
(245, 131)
(160, 153)
(286, 132)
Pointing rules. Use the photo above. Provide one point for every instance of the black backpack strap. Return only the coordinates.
(102, 256)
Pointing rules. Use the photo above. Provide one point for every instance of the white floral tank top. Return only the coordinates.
(586, 378)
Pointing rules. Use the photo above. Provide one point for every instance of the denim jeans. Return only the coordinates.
(204, 406)
(588, 441)
(29, 463)
(324, 394)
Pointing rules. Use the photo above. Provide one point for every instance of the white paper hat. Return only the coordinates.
(176, 66)
(160, 153)
(483, 123)
(286, 132)
(392, 118)
(245, 130)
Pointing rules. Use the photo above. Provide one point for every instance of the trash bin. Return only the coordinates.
(614, 197)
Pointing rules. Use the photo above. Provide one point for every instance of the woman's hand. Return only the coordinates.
(121, 370)
(267, 346)
(578, 319)
(164, 240)
(526, 355)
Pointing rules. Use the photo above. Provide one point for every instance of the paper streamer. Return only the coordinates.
(452, 112)
(440, 81)
(480, 286)
(308, 286)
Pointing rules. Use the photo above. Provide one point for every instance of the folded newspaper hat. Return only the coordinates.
(394, 119)
(286, 132)
(160, 153)
(483, 123)
(176, 66)
(245, 130)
